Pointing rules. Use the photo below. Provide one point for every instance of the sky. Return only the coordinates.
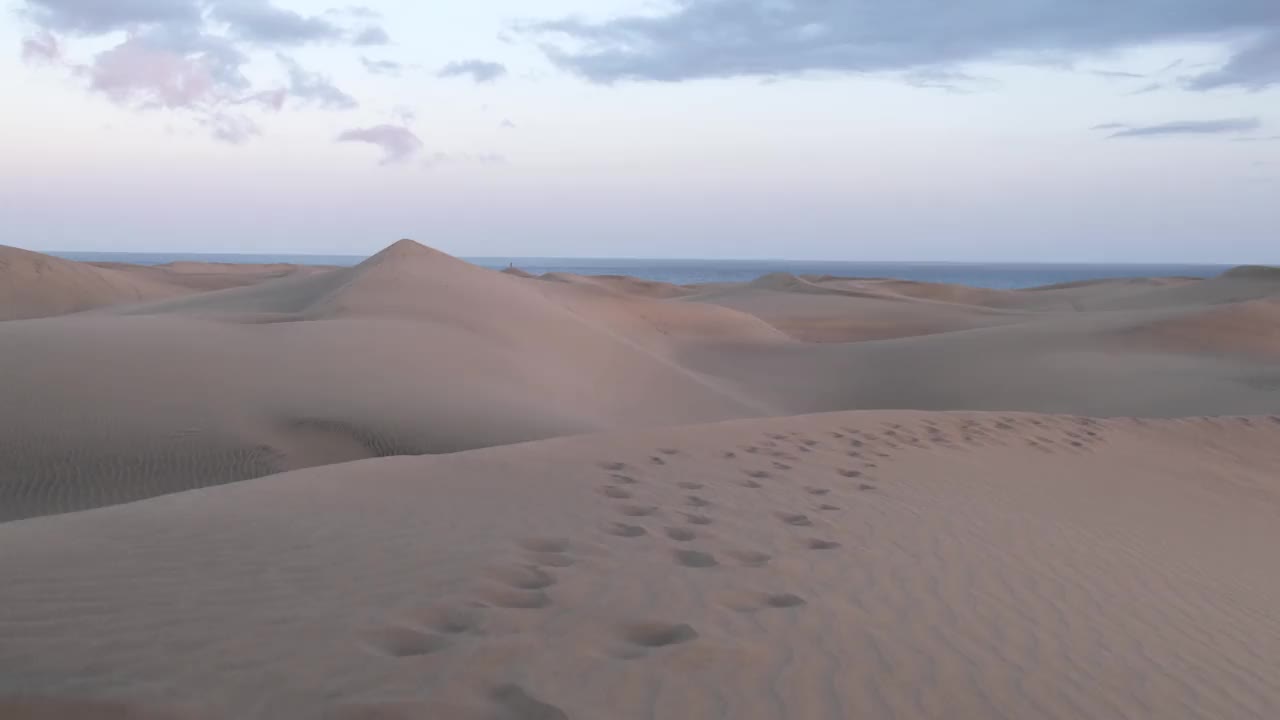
(917, 130)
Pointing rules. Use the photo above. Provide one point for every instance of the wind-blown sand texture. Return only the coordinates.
(965, 544)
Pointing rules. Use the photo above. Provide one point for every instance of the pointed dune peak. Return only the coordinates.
(408, 251)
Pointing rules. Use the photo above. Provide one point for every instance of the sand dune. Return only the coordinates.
(411, 352)
(871, 565)
(593, 528)
(33, 285)
(415, 352)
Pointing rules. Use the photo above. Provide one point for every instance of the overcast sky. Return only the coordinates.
(1056, 130)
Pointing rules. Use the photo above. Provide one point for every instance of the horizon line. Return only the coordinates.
(1200, 263)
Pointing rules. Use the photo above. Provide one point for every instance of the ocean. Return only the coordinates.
(1002, 276)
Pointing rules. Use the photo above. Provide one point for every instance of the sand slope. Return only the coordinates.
(33, 285)
(416, 352)
(869, 565)
(411, 352)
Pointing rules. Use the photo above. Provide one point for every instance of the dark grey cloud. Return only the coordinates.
(382, 67)
(481, 71)
(1184, 127)
(398, 144)
(763, 38)
(314, 87)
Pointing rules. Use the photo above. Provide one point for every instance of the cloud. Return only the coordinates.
(314, 87)
(481, 71)
(398, 144)
(1184, 127)
(190, 56)
(140, 74)
(1118, 75)
(507, 124)
(233, 129)
(94, 17)
(1273, 138)
(1256, 67)
(1109, 126)
(43, 47)
(382, 67)
(1150, 88)
(372, 36)
(405, 114)
(261, 22)
(763, 38)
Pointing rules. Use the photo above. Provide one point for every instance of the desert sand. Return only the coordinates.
(417, 488)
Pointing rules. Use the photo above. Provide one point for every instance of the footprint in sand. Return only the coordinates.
(694, 559)
(403, 642)
(669, 451)
(623, 479)
(690, 485)
(615, 493)
(515, 703)
(695, 519)
(781, 466)
(657, 460)
(614, 466)
(750, 484)
(551, 552)
(817, 491)
(750, 558)
(816, 544)
(849, 473)
(681, 534)
(657, 635)
(781, 601)
(451, 620)
(524, 577)
(698, 502)
(795, 519)
(758, 474)
(729, 455)
(626, 531)
(754, 602)
(638, 510)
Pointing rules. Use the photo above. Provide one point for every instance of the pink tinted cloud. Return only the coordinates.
(135, 73)
(398, 144)
(42, 48)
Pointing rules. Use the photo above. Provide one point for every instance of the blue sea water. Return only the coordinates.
(686, 272)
